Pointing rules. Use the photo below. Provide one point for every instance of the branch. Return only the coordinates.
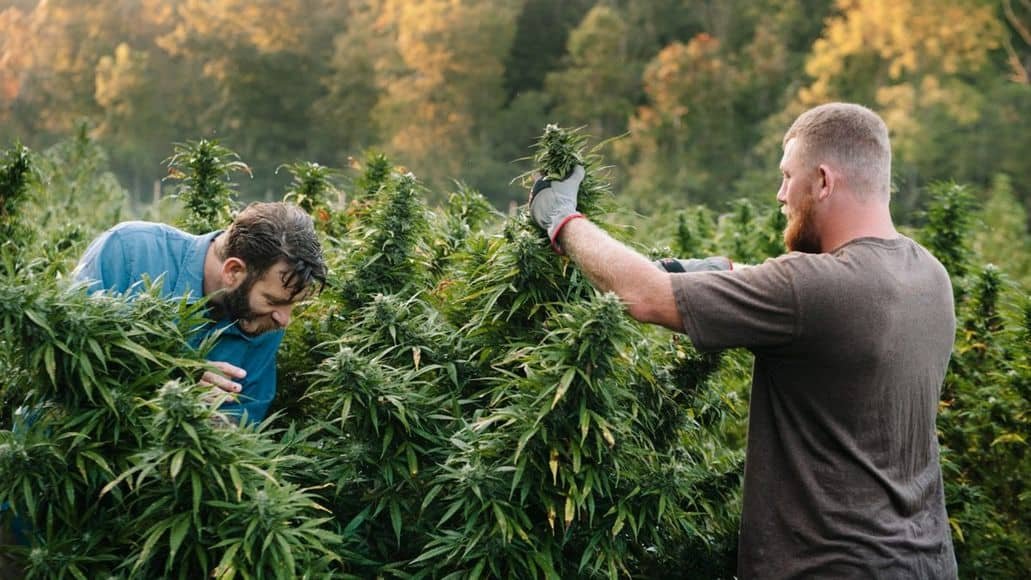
(1020, 74)
(1015, 22)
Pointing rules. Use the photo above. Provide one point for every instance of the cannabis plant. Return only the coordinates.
(312, 189)
(16, 174)
(986, 402)
(202, 169)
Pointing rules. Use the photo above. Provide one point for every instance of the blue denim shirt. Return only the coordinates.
(118, 260)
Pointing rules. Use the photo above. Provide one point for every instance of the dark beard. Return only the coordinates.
(235, 304)
(800, 235)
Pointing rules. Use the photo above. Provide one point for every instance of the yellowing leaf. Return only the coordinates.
(553, 464)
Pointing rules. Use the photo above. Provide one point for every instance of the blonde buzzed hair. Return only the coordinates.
(851, 138)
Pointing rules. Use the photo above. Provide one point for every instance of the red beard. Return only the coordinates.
(800, 235)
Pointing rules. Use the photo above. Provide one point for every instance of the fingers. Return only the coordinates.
(228, 369)
(222, 377)
(220, 382)
(216, 396)
(539, 185)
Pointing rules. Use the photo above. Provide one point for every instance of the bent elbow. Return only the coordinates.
(655, 307)
(639, 309)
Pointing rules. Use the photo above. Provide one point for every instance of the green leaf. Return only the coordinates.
(1008, 438)
(563, 385)
(455, 506)
(39, 321)
(225, 570)
(154, 535)
(178, 534)
(618, 524)
(477, 570)
(87, 369)
(288, 556)
(136, 349)
(192, 433)
(51, 366)
(177, 463)
(432, 553)
(502, 520)
(198, 490)
(98, 460)
(95, 347)
(413, 461)
(234, 475)
(395, 519)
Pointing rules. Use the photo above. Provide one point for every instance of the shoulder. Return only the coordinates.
(854, 264)
(140, 232)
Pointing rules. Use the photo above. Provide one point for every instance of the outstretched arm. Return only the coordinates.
(612, 266)
(645, 286)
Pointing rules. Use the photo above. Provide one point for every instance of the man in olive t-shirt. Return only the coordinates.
(851, 347)
(852, 333)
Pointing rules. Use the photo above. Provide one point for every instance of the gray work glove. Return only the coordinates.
(711, 264)
(553, 203)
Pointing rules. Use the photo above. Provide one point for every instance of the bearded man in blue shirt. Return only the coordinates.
(252, 275)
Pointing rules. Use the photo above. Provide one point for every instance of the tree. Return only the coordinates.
(351, 84)
(918, 63)
(680, 139)
(444, 82)
(1003, 238)
(262, 64)
(600, 81)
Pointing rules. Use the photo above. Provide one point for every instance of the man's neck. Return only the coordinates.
(863, 221)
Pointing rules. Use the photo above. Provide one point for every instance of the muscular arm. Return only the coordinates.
(612, 266)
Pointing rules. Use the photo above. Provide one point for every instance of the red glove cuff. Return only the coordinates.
(558, 228)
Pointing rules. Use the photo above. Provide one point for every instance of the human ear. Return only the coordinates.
(234, 271)
(826, 183)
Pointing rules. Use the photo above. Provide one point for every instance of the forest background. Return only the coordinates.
(699, 91)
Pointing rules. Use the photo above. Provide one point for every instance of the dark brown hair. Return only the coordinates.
(263, 234)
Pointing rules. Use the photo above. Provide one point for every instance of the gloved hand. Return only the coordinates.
(553, 203)
(711, 264)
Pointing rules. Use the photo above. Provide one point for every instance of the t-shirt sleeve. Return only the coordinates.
(753, 308)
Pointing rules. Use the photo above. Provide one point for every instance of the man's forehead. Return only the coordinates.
(789, 148)
(278, 283)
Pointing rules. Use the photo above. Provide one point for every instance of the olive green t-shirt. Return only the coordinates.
(842, 475)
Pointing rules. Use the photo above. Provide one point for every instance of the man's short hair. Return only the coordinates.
(851, 138)
(263, 234)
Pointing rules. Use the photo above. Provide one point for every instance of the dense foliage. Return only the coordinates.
(458, 402)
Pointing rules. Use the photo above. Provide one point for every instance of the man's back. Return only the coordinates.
(842, 475)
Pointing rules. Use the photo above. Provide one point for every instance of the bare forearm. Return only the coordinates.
(612, 266)
(607, 263)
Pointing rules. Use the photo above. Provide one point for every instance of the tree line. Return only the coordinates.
(695, 93)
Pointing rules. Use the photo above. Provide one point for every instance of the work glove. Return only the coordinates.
(711, 264)
(553, 203)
